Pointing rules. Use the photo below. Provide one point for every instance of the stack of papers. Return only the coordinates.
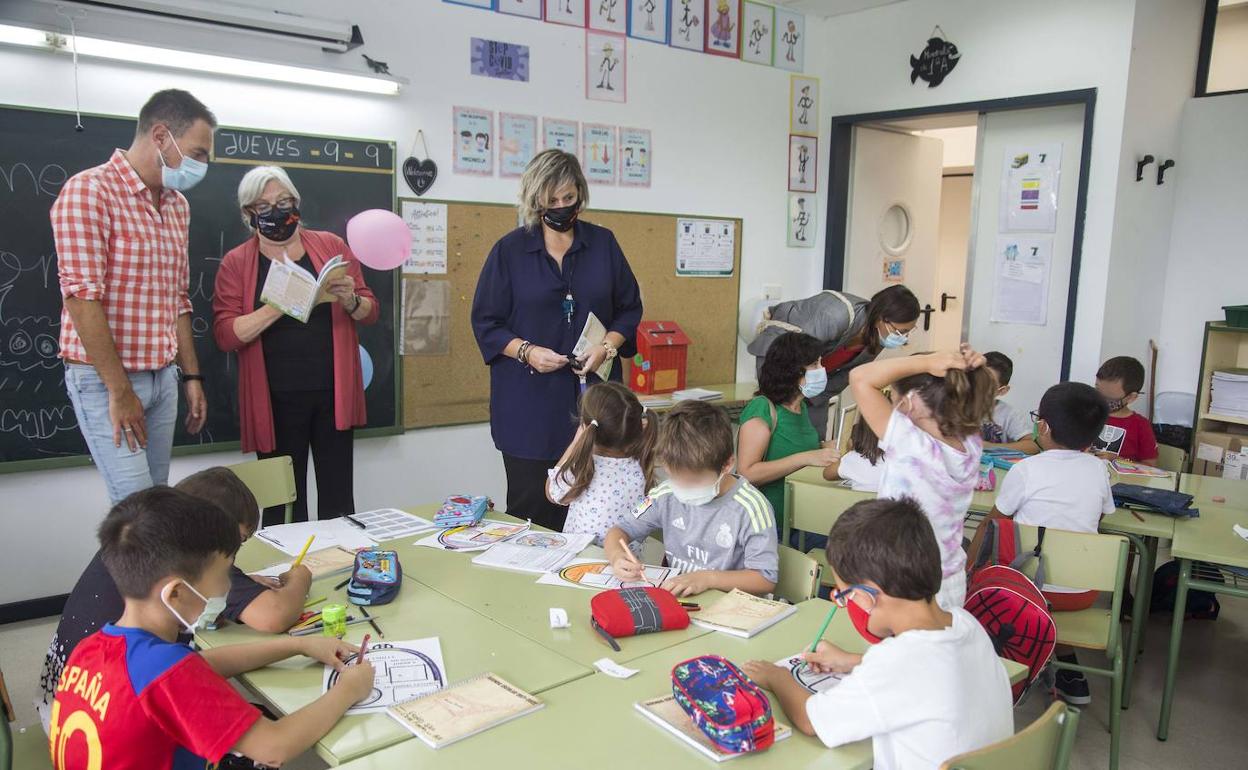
(656, 402)
(290, 538)
(742, 614)
(1127, 468)
(667, 713)
(699, 394)
(537, 552)
(1229, 393)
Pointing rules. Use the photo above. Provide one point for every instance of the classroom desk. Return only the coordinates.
(1208, 538)
(471, 644)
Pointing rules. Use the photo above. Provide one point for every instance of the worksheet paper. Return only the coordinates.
(538, 552)
(290, 538)
(800, 670)
(597, 575)
(401, 671)
(390, 524)
(1020, 292)
(482, 535)
(427, 223)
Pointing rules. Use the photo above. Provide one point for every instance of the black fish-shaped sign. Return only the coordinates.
(934, 62)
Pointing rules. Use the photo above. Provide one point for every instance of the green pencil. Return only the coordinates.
(823, 628)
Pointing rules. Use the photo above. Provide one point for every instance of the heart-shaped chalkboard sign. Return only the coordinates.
(420, 174)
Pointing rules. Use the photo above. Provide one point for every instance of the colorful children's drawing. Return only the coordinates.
(723, 36)
(758, 29)
(608, 16)
(688, 24)
(560, 135)
(803, 163)
(474, 141)
(647, 20)
(803, 105)
(606, 67)
(541, 540)
(790, 52)
(569, 12)
(517, 143)
(635, 157)
(598, 150)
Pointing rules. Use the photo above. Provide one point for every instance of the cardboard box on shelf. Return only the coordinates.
(1212, 449)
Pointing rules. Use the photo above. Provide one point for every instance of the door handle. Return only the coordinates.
(927, 316)
(944, 301)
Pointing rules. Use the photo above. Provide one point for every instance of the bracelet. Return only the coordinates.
(185, 378)
(522, 355)
(358, 301)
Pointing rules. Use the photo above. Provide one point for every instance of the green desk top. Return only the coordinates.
(1210, 536)
(471, 644)
(1234, 493)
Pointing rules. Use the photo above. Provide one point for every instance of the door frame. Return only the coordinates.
(840, 159)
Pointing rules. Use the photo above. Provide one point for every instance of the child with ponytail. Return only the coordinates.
(604, 474)
(929, 426)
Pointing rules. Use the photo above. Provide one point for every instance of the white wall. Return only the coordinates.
(1208, 259)
(1162, 79)
(1008, 48)
(720, 146)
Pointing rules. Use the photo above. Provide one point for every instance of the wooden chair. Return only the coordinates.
(272, 481)
(799, 576)
(1091, 562)
(24, 748)
(1045, 744)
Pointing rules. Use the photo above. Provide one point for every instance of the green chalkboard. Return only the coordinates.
(40, 149)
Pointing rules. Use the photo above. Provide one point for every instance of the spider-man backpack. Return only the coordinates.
(1008, 604)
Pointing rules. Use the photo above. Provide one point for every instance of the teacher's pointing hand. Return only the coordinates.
(545, 360)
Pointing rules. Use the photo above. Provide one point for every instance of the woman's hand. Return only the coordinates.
(342, 289)
(823, 456)
(546, 360)
(592, 360)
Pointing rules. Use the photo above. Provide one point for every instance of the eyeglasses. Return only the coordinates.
(841, 598)
(1035, 416)
(263, 208)
(895, 330)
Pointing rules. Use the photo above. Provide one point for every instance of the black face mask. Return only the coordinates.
(561, 219)
(277, 225)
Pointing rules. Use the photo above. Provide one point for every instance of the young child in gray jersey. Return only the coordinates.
(718, 530)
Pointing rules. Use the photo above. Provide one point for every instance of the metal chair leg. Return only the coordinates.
(1172, 656)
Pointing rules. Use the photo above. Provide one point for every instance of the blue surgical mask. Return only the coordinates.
(190, 173)
(895, 339)
(816, 382)
(212, 608)
(697, 495)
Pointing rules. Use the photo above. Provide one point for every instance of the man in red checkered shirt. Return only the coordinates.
(121, 243)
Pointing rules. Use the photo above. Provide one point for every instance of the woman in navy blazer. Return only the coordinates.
(537, 287)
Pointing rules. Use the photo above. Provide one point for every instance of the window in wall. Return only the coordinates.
(1223, 65)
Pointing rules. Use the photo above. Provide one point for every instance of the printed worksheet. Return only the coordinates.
(390, 524)
(402, 671)
(597, 575)
(535, 551)
(811, 680)
(478, 537)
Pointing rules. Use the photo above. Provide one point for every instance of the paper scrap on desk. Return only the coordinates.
(1240, 531)
(611, 668)
(800, 670)
(290, 538)
(559, 618)
(402, 671)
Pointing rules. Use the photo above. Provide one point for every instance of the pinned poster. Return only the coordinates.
(1020, 290)
(705, 247)
(427, 223)
(598, 149)
(517, 143)
(635, 157)
(1029, 183)
(560, 135)
(474, 141)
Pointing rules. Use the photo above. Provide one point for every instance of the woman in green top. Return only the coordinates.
(777, 437)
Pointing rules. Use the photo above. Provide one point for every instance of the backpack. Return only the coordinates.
(1201, 605)
(724, 704)
(375, 578)
(1009, 605)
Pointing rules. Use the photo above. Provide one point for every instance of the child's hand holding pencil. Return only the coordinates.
(627, 567)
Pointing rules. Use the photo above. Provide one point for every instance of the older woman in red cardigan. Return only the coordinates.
(300, 385)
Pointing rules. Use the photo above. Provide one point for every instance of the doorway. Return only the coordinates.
(949, 202)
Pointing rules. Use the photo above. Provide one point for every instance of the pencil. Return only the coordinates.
(340, 585)
(373, 623)
(311, 602)
(823, 628)
(316, 629)
(306, 546)
(363, 650)
(1137, 515)
(633, 558)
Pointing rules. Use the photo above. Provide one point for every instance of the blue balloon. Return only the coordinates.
(366, 364)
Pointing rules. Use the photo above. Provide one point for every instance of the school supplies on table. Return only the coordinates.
(333, 621)
(666, 713)
(656, 402)
(303, 551)
(320, 563)
(634, 611)
(1128, 468)
(800, 670)
(1177, 504)
(363, 648)
(401, 671)
(742, 614)
(1004, 458)
(475, 538)
(724, 703)
(822, 629)
(295, 291)
(319, 628)
(390, 524)
(463, 710)
(290, 538)
(696, 394)
(372, 622)
(597, 575)
(376, 577)
(537, 552)
(462, 511)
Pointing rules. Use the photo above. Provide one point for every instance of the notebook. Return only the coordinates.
(742, 614)
(295, 291)
(320, 563)
(464, 709)
(698, 394)
(665, 712)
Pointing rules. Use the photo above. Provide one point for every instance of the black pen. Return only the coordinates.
(340, 586)
(354, 521)
(373, 623)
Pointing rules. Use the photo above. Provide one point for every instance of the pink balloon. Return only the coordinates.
(379, 238)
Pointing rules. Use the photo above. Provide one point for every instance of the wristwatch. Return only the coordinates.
(184, 378)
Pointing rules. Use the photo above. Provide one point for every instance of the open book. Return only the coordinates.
(294, 291)
(326, 561)
(591, 337)
(742, 614)
(463, 709)
(667, 713)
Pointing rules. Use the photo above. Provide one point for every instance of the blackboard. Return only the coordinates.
(40, 150)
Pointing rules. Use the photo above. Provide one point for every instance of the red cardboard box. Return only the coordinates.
(662, 354)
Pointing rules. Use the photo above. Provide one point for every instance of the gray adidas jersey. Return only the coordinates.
(733, 531)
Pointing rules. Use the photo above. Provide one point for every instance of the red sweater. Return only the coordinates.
(234, 296)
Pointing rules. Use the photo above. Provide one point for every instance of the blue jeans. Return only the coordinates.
(125, 471)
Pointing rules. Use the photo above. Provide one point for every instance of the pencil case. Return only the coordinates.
(634, 611)
(375, 578)
(462, 511)
(729, 709)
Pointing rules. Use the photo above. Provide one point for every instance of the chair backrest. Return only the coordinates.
(1092, 562)
(815, 508)
(799, 576)
(1045, 744)
(272, 481)
(1171, 458)
(845, 427)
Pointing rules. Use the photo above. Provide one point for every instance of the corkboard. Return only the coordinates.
(454, 389)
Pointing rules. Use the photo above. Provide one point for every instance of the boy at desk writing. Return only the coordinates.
(718, 530)
(930, 686)
(132, 696)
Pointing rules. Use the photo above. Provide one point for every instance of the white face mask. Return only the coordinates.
(816, 382)
(189, 172)
(697, 495)
(212, 608)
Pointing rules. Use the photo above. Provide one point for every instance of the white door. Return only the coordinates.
(1036, 349)
(894, 218)
(955, 237)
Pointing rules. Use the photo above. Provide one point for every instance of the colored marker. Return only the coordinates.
(823, 628)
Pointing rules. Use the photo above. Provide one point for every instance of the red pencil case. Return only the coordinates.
(633, 611)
